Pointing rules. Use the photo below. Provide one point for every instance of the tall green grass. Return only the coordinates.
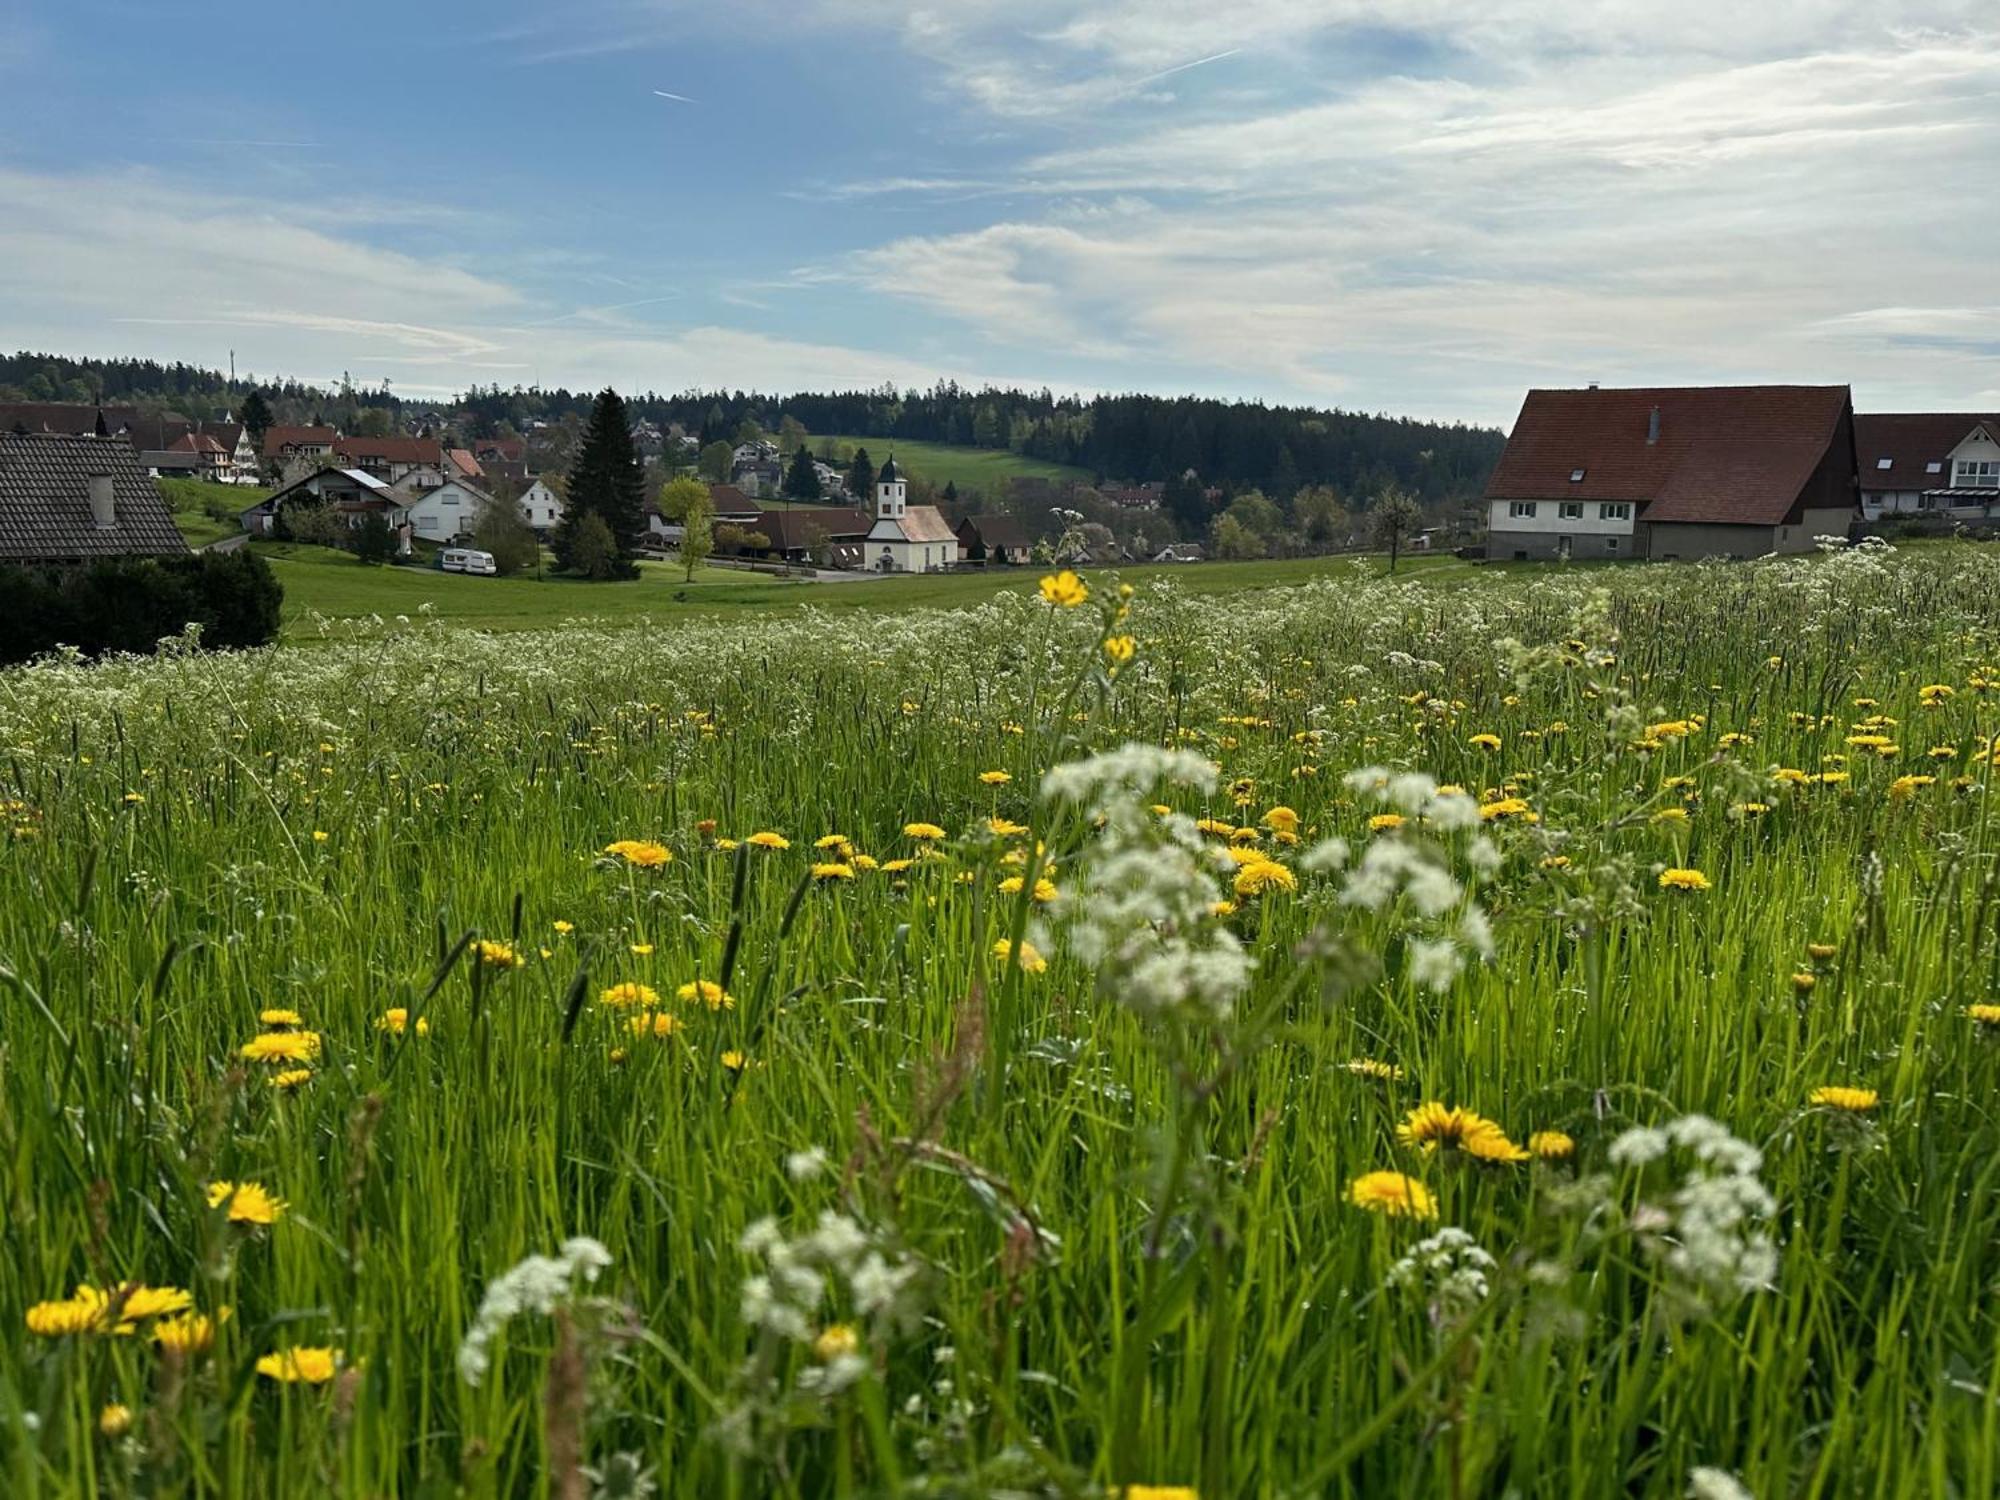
(1133, 1258)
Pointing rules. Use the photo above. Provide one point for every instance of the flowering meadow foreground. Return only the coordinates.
(1537, 1038)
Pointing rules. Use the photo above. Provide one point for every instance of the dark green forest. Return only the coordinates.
(1130, 438)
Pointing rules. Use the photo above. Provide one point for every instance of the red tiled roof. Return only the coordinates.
(393, 450)
(1912, 442)
(1729, 455)
(464, 462)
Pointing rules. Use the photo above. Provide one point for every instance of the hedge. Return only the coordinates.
(131, 603)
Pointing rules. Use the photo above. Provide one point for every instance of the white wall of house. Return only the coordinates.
(1594, 518)
(541, 507)
(439, 514)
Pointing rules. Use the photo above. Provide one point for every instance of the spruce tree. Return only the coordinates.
(802, 479)
(861, 476)
(606, 481)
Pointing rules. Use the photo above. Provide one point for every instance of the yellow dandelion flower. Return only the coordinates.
(653, 1023)
(290, 1079)
(923, 832)
(1260, 876)
(281, 1046)
(1002, 828)
(1803, 980)
(1031, 960)
(396, 1020)
(189, 1333)
(708, 992)
(629, 993)
(834, 1341)
(1551, 1145)
(1045, 890)
(496, 955)
(642, 854)
(1488, 742)
(833, 871)
(1683, 880)
(115, 1420)
(1821, 951)
(563, 927)
(1064, 590)
(1392, 1193)
(1371, 1068)
(765, 839)
(248, 1202)
(1841, 1097)
(994, 778)
(299, 1365)
(279, 1020)
(1984, 1014)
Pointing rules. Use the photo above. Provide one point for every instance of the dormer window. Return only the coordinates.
(1885, 463)
(1576, 476)
(1935, 466)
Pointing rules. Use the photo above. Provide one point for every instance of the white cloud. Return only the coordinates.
(1438, 242)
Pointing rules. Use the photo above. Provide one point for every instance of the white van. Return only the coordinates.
(465, 560)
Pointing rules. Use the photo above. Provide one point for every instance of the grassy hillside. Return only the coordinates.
(207, 512)
(984, 469)
(324, 582)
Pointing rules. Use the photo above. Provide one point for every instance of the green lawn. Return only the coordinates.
(207, 512)
(984, 469)
(320, 581)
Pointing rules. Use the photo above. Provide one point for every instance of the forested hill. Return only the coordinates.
(1128, 438)
(1234, 444)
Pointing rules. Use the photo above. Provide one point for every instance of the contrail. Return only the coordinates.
(678, 98)
(1183, 67)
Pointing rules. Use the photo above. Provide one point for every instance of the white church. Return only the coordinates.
(907, 538)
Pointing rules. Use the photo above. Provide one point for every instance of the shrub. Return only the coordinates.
(132, 603)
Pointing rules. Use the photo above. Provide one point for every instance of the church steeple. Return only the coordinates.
(891, 494)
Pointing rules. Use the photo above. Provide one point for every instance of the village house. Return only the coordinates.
(420, 461)
(1674, 472)
(447, 512)
(288, 445)
(352, 493)
(541, 508)
(1942, 464)
(731, 508)
(907, 538)
(66, 499)
(995, 539)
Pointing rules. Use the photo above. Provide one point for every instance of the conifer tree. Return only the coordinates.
(606, 481)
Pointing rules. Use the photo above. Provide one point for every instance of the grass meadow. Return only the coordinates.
(1531, 1038)
(985, 470)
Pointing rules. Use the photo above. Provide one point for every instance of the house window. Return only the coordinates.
(1521, 509)
(447, 499)
(1611, 544)
(1978, 474)
(1615, 510)
(1935, 466)
(1576, 476)
(1570, 510)
(1885, 463)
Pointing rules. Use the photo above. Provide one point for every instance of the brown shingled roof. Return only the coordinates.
(789, 529)
(45, 513)
(277, 439)
(1731, 455)
(1912, 442)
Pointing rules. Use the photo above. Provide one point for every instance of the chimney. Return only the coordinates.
(1653, 427)
(103, 507)
(1593, 385)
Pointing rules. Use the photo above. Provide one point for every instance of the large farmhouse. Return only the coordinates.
(1674, 472)
(1929, 463)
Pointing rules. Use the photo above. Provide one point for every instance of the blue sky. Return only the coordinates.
(1422, 207)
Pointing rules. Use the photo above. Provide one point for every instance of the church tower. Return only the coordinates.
(891, 495)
